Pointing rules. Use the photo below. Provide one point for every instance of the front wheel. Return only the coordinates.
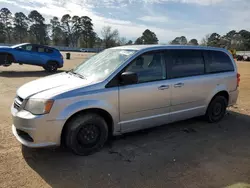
(6, 60)
(216, 109)
(51, 66)
(86, 133)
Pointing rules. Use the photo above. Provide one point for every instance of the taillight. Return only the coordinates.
(238, 79)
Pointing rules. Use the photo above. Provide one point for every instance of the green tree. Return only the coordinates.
(88, 33)
(38, 29)
(57, 34)
(66, 27)
(149, 37)
(6, 20)
(180, 40)
(245, 35)
(2, 33)
(139, 40)
(130, 42)
(78, 30)
(214, 40)
(21, 22)
(193, 42)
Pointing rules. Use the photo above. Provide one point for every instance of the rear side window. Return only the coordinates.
(218, 62)
(184, 63)
(40, 49)
(47, 50)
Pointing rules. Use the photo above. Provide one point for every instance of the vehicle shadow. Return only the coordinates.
(17, 74)
(190, 153)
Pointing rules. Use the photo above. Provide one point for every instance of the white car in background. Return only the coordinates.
(83, 50)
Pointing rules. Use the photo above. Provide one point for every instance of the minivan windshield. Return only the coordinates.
(103, 64)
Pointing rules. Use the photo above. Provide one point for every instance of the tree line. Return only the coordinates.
(231, 40)
(75, 31)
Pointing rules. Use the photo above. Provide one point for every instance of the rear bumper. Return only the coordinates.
(233, 96)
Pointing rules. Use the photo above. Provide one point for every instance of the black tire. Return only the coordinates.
(216, 109)
(86, 133)
(51, 66)
(8, 60)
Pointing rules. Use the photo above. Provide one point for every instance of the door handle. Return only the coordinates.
(163, 87)
(179, 85)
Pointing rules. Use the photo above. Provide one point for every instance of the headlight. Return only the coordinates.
(38, 106)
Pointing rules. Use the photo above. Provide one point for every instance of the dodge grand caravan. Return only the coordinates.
(124, 89)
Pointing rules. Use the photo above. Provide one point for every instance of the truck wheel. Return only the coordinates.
(216, 109)
(51, 66)
(86, 134)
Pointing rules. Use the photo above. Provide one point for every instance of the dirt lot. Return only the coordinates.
(189, 154)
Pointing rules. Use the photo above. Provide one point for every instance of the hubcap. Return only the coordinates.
(217, 109)
(52, 67)
(88, 135)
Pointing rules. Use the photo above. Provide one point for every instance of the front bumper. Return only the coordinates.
(41, 131)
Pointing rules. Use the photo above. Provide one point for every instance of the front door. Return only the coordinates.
(146, 103)
(27, 54)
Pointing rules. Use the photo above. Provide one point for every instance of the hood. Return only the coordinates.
(50, 86)
(5, 47)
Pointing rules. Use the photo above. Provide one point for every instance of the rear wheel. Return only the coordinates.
(86, 133)
(51, 66)
(216, 109)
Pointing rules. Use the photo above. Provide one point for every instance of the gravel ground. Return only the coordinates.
(188, 154)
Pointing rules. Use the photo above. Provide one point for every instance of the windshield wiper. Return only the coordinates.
(76, 74)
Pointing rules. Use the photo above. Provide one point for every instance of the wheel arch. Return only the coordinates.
(223, 93)
(103, 113)
(9, 54)
(53, 61)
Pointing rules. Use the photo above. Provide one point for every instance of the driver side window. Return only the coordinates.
(27, 47)
(149, 67)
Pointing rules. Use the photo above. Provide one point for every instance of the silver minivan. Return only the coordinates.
(124, 89)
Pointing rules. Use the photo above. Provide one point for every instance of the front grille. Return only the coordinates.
(24, 135)
(18, 102)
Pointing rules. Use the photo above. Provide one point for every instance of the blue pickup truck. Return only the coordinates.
(32, 54)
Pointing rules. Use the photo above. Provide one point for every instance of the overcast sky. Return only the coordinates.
(167, 18)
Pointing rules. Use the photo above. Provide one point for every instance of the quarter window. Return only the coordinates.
(218, 62)
(149, 67)
(184, 63)
(47, 50)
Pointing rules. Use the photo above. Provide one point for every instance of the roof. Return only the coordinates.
(152, 47)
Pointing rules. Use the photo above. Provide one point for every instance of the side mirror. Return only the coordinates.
(19, 48)
(129, 78)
